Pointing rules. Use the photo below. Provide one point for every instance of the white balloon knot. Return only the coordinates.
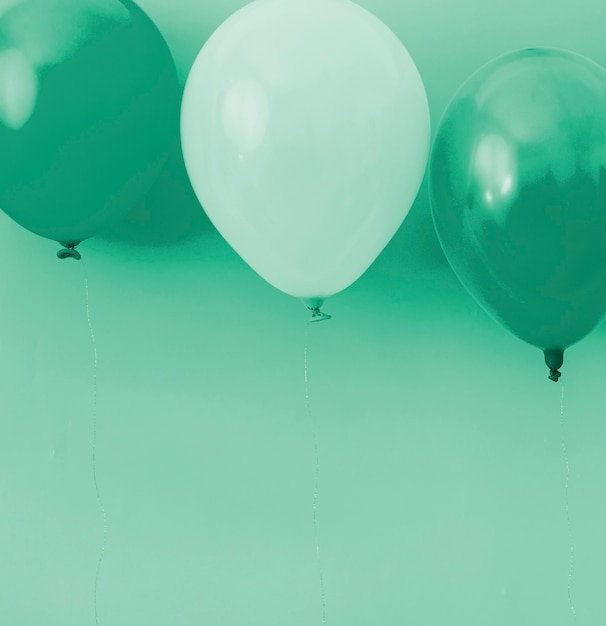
(317, 315)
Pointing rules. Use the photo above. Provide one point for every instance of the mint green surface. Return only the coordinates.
(442, 479)
(88, 112)
(518, 193)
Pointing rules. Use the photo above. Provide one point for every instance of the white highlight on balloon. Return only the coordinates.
(494, 163)
(18, 88)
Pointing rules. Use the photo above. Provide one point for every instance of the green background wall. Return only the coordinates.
(442, 473)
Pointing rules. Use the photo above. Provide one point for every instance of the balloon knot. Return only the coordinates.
(317, 315)
(69, 252)
(554, 374)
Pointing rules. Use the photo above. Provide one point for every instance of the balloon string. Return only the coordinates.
(317, 473)
(567, 506)
(94, 447)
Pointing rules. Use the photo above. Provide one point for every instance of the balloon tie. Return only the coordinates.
(317, 475)
(567, 507)
(69, 252)
(317, 315)
(554, 359)
(94, 443)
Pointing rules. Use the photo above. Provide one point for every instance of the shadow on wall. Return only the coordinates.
(169, 214)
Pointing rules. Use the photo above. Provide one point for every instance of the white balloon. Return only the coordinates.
(305, 132)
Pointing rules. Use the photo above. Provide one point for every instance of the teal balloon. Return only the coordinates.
(517, 179)
(89, 110)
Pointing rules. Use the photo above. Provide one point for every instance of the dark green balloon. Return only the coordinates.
(517, 179)
(89, 110)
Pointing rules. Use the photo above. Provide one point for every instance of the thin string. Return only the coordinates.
(317, 474)
(94, 450)
(567, 505)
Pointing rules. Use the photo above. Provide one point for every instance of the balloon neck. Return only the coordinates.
(554, 358)
(69, 252)
(314, 304)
